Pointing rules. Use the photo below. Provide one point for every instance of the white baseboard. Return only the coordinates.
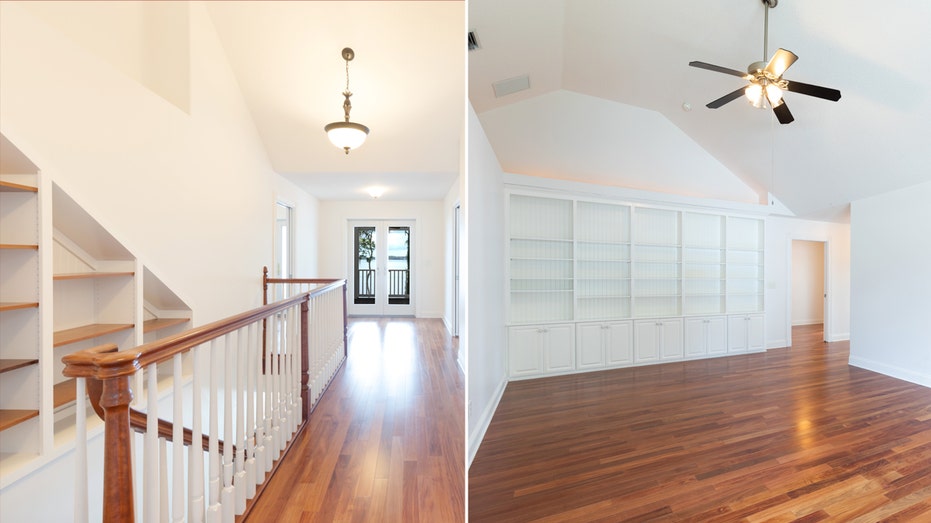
(891, 370)
(839, 336)
(776, 344)
(481, 425)
(809, 321)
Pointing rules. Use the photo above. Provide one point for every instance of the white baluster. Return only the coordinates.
(242, 387)
(195, 450)
(269, 382)
(80, 451)
(227, 498)
(163, 477)
(213, 508)
(258, 360)
(177, 446)
(151, 481)
(252, 428)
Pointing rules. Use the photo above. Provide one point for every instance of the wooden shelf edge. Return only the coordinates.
(64, 393)
(16, 187)
(19, 246)
(162, 323)
(89, 275)
(86, 332)
(13, 364)
(12, 306)
(12, 417)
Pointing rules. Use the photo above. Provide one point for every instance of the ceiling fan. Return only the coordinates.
(766, 81)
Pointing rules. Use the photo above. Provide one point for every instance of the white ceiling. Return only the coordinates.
(407, 79)
(636, 53)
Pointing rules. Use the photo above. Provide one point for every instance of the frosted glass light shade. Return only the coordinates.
(346, 135)
(759, 97)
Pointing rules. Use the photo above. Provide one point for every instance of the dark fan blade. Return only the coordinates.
(718, 68)
(730, 97)
(783, 114)
(813, 90)
(780, 61)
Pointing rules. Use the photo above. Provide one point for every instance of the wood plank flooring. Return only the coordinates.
(386, 442)
(787, 435)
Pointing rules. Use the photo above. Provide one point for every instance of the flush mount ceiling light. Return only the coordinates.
(347, 135)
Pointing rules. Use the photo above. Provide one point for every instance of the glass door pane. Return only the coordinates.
(365, 266)
(399, 265)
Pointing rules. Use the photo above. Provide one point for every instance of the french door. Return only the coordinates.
(381, 268)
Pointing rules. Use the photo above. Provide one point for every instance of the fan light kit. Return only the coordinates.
(347, 135)
(767, 85)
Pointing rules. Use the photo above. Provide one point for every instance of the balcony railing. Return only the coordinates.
(245, 385)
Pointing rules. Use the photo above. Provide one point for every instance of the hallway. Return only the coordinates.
(386, 441)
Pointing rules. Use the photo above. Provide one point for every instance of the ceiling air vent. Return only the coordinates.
(473, 41)
(511, 85)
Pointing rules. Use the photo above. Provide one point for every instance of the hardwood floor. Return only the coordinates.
(386, 442)
(787, 435)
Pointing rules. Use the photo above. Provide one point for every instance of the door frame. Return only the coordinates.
(828, 289)
(381, 307)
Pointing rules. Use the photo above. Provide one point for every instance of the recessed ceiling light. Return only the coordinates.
(686, 106)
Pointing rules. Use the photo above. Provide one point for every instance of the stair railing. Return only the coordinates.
(245, 385)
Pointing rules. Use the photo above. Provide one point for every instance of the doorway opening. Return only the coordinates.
(808, 303)
(382, 268)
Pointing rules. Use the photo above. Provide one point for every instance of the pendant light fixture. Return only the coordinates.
(347, 135)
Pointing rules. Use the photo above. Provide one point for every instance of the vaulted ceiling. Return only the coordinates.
(407, 79)
(595, 67)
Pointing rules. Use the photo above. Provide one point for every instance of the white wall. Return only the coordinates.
(191, 194)
(485, 336)
(778, 263)
(428, 252)
(891, 283)
(807, 282)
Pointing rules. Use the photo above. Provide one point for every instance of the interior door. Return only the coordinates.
(381, 268)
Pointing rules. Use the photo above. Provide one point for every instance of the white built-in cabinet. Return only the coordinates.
(705, 336)
(641, 284)
(604, 344)
(542, 349)
(744, 333)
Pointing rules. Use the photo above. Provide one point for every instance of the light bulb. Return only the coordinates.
(773, 94)
(754, 93)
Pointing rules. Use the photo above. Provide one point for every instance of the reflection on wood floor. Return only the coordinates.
(386, 442)
(788, 435)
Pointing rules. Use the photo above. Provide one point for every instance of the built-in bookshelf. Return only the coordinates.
(638, 284)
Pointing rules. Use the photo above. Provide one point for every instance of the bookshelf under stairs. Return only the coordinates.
(595, 284)
(67, 284)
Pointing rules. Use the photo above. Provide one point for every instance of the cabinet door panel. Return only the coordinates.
(755, 333)
(525, 351)
(559, 348)
(671, 339)
(696, 335)
(736, 334)
(646, 341)
(619, 343)
(590, 345)
(717, 335)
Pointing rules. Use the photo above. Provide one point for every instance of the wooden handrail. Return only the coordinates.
(107, 372)
(88, 364)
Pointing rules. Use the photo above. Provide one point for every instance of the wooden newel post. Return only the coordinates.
(118, 480)
(305, 359)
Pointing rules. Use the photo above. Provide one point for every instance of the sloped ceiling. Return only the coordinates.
(407, 79)
(636, 53)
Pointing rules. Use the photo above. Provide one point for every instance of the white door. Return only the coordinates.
(381, 281)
